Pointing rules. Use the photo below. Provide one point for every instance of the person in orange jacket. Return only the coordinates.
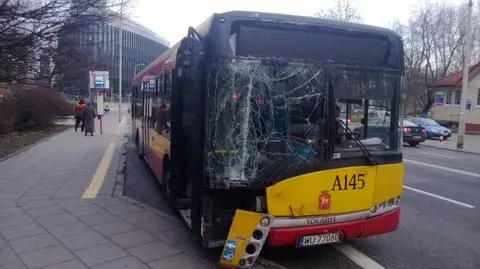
(78, 111)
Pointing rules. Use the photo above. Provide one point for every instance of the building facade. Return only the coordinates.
(96, 46)
(448, 90)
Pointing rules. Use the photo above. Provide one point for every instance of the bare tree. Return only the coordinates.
(433, 42)
(343, 10)
(30, 29)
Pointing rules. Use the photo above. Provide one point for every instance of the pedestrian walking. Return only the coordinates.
(78, 112)
(89, 119)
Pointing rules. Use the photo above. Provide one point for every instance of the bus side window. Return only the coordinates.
(162, 105)
(168, 86)
(157, 100)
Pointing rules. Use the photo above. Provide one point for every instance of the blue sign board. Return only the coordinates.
(99, 82)
(151, 85)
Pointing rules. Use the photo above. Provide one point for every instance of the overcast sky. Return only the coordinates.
(171, 19)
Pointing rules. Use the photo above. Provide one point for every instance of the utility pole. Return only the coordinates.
(466, 66)
(120, 66)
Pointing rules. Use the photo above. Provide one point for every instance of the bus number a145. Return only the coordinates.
(349, 182)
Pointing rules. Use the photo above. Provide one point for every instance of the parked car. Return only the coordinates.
(412, 133)
(433, 129)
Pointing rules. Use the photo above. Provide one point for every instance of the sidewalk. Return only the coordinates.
(471, 143)
(45, 222)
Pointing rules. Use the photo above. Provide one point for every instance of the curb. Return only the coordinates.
(118, 189)
(456, 150)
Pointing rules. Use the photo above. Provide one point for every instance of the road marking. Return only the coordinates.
(439, 197)
(439, 155)
(97, 180)
(453, 170)
(358, 257)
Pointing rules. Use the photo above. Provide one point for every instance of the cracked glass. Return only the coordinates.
(263, 113)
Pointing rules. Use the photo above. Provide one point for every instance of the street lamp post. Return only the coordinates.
(466, 66)
(120, 66)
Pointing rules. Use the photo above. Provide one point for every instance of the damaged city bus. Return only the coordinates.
(240, 122)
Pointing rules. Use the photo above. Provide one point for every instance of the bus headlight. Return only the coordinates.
(384, 207)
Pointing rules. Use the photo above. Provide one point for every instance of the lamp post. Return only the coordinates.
(120, 66)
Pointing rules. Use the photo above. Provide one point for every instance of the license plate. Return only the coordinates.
(320, 239)
(417, 137)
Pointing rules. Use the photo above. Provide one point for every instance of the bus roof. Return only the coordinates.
(167, 59)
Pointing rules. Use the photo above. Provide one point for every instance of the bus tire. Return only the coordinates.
(413, 144)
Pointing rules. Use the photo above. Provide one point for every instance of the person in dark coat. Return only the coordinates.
(89, 119)
(79, 107)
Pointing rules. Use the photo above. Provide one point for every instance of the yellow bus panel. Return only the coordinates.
(334, 191)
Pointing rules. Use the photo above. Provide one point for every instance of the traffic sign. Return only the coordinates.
(99, 80)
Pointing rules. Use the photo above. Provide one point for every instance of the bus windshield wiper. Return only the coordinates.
(359, 143)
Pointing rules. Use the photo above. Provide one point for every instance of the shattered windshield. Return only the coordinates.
(262, 114)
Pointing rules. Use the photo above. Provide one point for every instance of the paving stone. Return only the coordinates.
(153, 251)
(15, 221)
(100, 254)
(127, 262)
(98, 219)
(73, 264)
(83, 240)
(22, 231)
(46, 256)
(32, 243)
(7, 255)
(192, 250)
(132, 238)
(29, 204)
(122, 210)
(157, 226)
(106, 201)
(15, 265)
(112, 228)
(10, 211)
(139, 217)
(68, 203)
(69, 229)
(41, 194)
(178, 261)
(56, 220)
(45, 211)
(176, 236)
(87, 210)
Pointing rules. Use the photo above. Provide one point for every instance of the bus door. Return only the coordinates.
(147, 121)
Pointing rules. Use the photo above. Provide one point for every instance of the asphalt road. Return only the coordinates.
(439, 227)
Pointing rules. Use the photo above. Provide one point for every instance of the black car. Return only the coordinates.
(412, 133)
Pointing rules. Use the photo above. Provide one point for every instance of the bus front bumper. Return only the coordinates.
(289, 236)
